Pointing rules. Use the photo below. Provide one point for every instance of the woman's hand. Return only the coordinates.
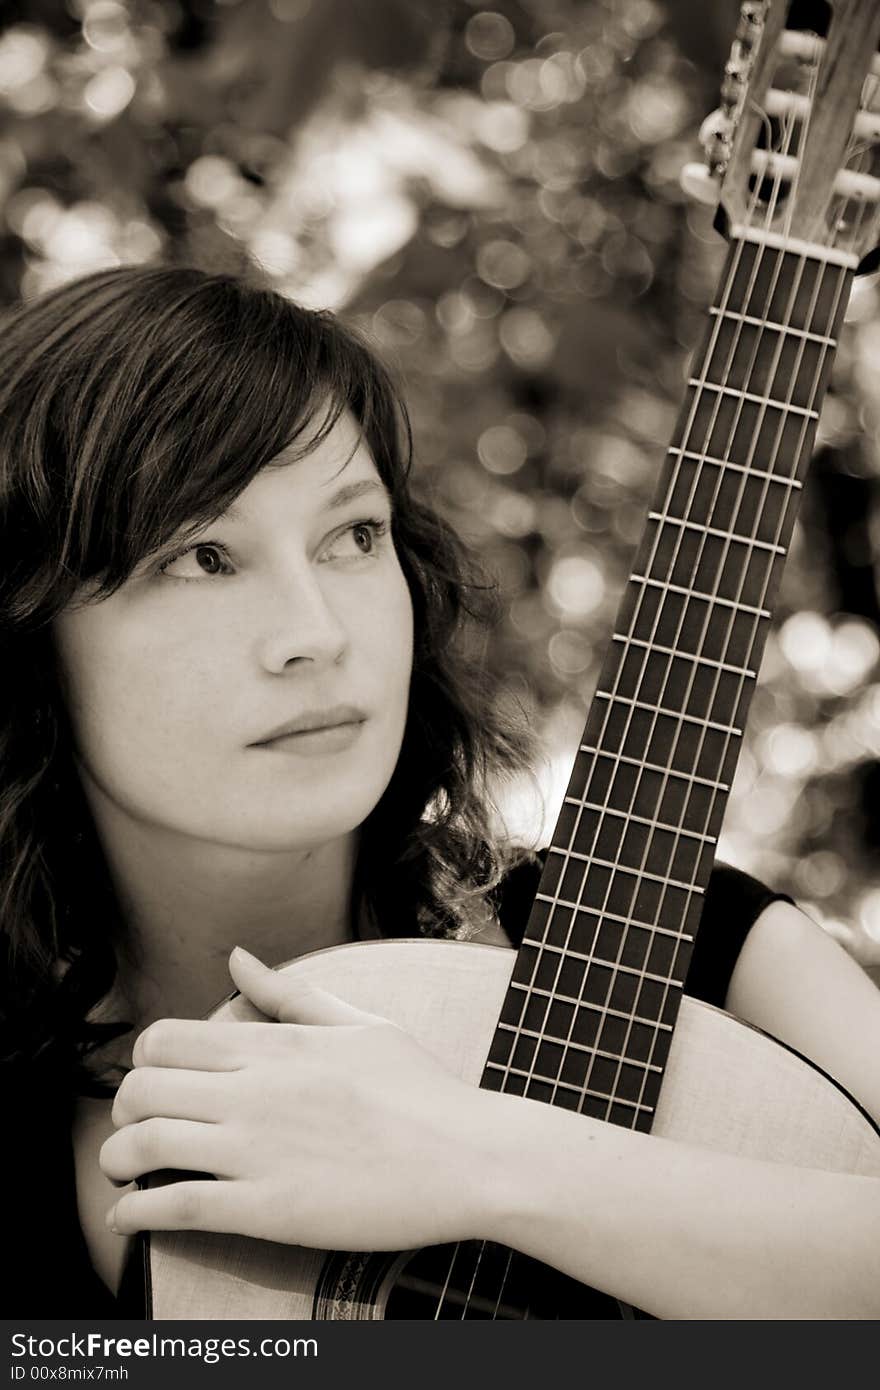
(330, 1128)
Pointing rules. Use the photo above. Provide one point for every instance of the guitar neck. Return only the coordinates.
(588, 1017)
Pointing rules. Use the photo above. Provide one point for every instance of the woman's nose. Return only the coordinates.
(301, 625)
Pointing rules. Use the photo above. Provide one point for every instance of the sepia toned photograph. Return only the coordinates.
(440, 632)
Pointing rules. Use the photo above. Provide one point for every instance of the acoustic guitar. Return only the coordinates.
(588, 1014)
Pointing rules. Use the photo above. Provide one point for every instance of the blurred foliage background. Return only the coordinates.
(492, 194)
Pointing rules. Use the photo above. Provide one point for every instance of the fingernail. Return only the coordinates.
(110, 1220)
(239, 953)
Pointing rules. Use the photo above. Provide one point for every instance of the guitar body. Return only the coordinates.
(727, 1087)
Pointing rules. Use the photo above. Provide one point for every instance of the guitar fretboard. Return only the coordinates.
(588, 1016)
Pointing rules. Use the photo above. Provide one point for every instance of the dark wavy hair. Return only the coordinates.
(135, 401)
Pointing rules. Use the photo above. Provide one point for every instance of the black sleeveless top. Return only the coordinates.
(50, 1272)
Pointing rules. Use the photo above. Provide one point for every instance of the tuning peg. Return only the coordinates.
(752, 14)
(700, 184)
(716, 137)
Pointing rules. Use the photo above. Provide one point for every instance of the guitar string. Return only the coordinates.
(817, 375)
(763, 406)
(677, 470)
(676, 473)
(746, 575)
(861, 210)
(825, 348)
(771, 379)
(819, 367)
(727, 286)
(801, 459)
(663, 517)
(682, 701)
(711, 620)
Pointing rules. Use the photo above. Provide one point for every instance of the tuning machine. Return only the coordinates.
(717, 131)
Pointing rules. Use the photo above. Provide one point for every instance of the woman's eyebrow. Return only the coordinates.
(350, 491)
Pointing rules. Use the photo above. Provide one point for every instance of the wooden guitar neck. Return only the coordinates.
(588, 1018)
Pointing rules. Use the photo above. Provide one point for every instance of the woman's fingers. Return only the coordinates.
(156, 1143)
(288, 998)
(172, 1092)
(201, 1044)
(178, 1206)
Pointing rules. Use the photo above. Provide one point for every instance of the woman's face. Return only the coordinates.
(290, 612)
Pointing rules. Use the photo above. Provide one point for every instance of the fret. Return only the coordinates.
(626, 921)
(653, 788)
(556, 1083)
(707, 598)
(613, 965)
(673, 713)
(628, 889)
(754, 322)
(658, 738)
(700, 487)
(763, 361)
(623, 869)
(751, 541)
(602, 1009)
(753, 398)
(576, 1046)
(634, 940)
(667, 614)
(729, 424)
(690, 555)
(736, 467)
(789, 288)
(656, 767)
(638, 820)
(661, 809)
(685, 655)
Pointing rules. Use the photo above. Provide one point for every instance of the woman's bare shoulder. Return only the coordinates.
(796, 982)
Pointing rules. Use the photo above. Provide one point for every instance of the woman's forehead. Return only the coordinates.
(340, 468)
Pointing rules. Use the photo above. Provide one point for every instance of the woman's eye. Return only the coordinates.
(360, 538)
(199, 562)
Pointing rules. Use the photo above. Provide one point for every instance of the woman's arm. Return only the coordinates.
(349, 1135)
(684, 1232)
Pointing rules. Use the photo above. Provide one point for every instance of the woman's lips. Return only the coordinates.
(331, 738)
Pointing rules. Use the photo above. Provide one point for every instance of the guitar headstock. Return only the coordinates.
(794, 149)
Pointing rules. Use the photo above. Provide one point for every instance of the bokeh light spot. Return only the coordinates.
(399, 323)
(502, 449)
(105, 26)
(109, 92)
(211, 180)
(23, 54)
(526, 338)
(576, 585)
(503, 264)
(489, 35)
(805, 640)
(570, 653)
(790, 750)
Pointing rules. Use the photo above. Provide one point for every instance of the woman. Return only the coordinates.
(240, 719)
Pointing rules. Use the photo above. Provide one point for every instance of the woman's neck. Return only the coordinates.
(186, 903)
